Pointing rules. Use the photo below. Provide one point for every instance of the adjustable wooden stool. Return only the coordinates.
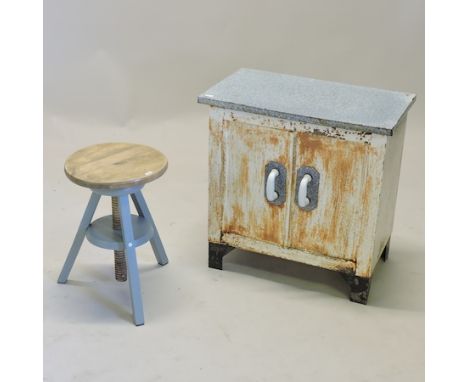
(117, 170)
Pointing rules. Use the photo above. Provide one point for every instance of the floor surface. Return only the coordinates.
(261, 319)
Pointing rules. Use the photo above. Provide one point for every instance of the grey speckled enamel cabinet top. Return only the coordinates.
(312, 101)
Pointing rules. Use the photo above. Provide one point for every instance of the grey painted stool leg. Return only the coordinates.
(132, 267)
(155, 241)
(79, 237)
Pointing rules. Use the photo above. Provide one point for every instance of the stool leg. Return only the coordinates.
(132, 267)
(79, 237)
(155, 241)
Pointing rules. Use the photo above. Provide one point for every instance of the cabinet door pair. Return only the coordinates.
(295, 189)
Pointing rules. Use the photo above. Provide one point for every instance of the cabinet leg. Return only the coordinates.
(216, 252)
(359, 288)
(386, 251)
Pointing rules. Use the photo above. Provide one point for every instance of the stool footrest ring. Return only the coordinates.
(101, 233)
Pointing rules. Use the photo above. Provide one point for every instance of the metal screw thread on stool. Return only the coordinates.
(120, 265)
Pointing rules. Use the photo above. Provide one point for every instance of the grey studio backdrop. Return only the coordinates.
(131, 71)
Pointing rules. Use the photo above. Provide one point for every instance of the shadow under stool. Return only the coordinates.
(118, 170)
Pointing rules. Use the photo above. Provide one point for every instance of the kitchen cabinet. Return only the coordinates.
(304, 170)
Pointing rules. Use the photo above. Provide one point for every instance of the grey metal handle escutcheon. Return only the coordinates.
(307, 186)
(275, 183)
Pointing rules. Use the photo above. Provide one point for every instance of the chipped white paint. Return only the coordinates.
(358, 182)
(290, 125)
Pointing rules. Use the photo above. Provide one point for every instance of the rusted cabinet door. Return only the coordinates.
(248, 149)
(333, 228)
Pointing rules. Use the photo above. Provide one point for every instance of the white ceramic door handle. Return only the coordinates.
(302, 198)
(271, 194)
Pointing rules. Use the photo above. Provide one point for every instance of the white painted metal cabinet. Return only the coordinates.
(305, 170)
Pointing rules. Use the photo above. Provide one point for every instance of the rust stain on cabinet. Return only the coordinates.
(332, 228)
(246, 210)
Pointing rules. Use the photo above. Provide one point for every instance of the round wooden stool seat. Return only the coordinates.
(115, 165)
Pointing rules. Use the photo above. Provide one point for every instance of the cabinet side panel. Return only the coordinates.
(216, 175)
(388, 197)
(369, 215)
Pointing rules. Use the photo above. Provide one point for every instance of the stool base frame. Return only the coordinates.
(128, 242)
